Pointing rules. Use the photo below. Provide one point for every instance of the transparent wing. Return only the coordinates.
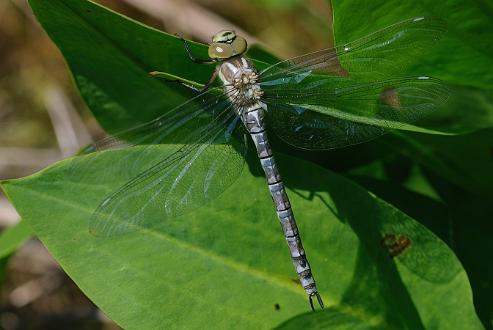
(345, 95)
(174, 126)
(377, 55)
(325, 117)
(204, 159)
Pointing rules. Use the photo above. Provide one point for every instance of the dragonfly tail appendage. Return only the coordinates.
(319, 299)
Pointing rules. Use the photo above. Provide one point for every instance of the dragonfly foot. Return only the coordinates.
(319, 299)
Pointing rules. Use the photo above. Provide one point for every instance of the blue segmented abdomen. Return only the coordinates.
(253, 119)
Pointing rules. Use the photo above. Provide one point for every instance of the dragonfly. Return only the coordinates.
(326, 99)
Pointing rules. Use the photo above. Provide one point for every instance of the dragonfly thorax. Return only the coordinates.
(240, 80)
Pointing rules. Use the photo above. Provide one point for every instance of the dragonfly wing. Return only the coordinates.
(377, 55)
(331, 113)
(343, 95)
(171, 127)
(204, 159)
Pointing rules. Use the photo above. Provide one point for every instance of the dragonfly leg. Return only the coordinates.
(190, 86)
(195, 60)
(319, 299)
(191, 57)
(208, 83)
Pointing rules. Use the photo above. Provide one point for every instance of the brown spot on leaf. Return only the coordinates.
(394, 244)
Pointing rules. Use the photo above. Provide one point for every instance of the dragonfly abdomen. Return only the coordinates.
(253, 118)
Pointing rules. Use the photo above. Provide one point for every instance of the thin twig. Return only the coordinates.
(63, 114)
(27, 157)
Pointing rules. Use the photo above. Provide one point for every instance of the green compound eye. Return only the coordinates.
(227, 47)
(226, 36)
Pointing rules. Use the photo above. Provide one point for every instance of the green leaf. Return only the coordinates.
(465, 160)
(12, 238)
(459, 169)
(110, 57)
(457, 58)
(457, 175)
(331, 318)
(468, 110)
(471, 229)
(227, 264)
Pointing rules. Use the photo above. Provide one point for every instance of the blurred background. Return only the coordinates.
(43, 119)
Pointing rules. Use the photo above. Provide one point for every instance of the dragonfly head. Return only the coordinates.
(226, 44)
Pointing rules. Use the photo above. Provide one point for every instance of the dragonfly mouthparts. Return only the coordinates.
(245, 79)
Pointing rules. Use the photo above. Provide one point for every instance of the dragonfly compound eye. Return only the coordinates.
(226, 36)
(226, 44)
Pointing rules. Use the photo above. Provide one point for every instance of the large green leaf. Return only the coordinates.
(457, 58)
(470, 229)
(460, 170)
(462, 58)
(227, 263)
(110, 57)
(457, 175)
